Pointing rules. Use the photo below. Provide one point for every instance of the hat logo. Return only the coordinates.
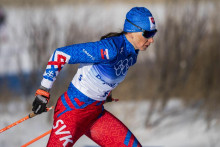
(152, 20)
(152, 23)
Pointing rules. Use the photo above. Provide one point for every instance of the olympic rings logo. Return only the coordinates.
(122, 66)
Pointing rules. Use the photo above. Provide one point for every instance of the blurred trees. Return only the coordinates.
(187, 60)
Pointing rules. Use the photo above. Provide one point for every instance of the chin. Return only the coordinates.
(144, 49)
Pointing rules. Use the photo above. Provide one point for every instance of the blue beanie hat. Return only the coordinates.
(141, 17)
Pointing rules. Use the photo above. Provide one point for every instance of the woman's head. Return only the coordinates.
(140, 27)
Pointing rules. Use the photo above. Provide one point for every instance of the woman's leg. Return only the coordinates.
(72, 118)
(108, 131)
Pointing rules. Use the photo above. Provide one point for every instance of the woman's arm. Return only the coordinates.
(92, 52)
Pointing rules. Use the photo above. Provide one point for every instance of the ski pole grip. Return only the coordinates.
(32, 115)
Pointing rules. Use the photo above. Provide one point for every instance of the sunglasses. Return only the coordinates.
(146, 34)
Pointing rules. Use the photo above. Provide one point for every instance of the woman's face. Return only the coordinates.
(139, 41)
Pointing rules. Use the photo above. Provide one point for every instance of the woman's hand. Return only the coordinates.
(42, 97)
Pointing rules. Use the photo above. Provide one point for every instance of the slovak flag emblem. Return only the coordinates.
(152, 23)
(104, 54)
(152, 20)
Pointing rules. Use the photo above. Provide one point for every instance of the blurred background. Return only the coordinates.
(171, 97)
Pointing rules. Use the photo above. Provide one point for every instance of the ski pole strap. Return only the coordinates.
(36, 139)
(43, 93)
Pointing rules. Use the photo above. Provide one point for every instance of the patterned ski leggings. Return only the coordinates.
(76, 117)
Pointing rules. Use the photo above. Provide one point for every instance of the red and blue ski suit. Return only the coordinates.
(80, 111)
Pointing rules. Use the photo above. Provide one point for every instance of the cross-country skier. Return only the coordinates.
(103, 65)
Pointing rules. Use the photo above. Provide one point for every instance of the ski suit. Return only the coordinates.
(80, 111)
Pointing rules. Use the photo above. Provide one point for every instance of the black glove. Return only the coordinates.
(110, 98)
(42, 97)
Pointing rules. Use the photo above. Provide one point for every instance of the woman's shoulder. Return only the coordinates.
(113, 45)
(116, 42)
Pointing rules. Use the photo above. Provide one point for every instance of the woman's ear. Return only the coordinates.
(130, 35)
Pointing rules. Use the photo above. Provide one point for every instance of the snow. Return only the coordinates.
(179, 126)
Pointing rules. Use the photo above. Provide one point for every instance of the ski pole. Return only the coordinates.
(31, 115)
(36, 139)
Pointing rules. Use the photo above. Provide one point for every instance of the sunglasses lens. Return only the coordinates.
(149, 34)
